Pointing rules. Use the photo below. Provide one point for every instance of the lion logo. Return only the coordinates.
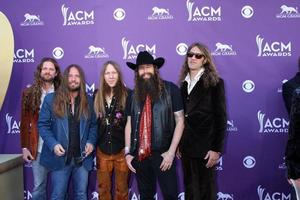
(223, 47)
(160, 11)
(31, 18)
(288, 10)
(223, 196)
(96, 50)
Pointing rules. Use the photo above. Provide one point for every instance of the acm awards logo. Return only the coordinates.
(205, 13)
(288, 12)
(32, 20)
(24, 56)
(160, 14)
(275, 125)
(13, 127)
(90, 89)
(264, 195)
(276, 48)
(223, 50)
(131, 51)
(96, 52)
(77, 18)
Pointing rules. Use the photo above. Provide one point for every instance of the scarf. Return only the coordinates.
(145, 130)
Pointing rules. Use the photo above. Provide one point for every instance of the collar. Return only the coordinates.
(51, 89)
(197, 77)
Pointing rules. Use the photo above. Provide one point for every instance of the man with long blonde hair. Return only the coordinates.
(67, 123)
(109, 105)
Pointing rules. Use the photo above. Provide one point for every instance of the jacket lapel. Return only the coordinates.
(65, 125)
(194, 97)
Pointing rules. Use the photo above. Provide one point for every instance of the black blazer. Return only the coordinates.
(205, 119)
(288, 89)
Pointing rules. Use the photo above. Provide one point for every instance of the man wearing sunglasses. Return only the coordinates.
(205, 123)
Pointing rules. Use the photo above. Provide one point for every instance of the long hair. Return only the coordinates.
(62, 95)
(32, 99)
(210, 76)
(119, 91)
(140, 93)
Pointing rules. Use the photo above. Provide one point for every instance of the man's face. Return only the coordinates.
(146, 71)
(196, 58)
(111, 76)
(48, 71)
(74, 79)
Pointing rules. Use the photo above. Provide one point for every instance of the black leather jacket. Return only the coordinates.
(163, 123)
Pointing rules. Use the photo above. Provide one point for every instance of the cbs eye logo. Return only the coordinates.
(181, 49)
(249, 162)
(58, 52)
(247, 11)
(248, 86)
(119, 14)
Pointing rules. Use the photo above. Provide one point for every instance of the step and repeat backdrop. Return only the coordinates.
(255, 45)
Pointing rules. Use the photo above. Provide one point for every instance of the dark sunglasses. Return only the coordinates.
(79, 160)
(198, 56)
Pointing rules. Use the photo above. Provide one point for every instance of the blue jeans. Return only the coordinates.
(39, 180)
(60, 181)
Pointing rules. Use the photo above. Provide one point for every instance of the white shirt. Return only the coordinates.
(44, 93)
(192, 82)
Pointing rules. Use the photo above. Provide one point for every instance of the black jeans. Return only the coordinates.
(148, 171)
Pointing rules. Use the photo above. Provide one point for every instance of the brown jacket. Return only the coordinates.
(28, 129)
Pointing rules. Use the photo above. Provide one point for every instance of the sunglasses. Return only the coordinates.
(198, 56)
(79, 160)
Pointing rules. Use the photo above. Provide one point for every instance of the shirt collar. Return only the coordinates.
(197, 77)
(51, 89)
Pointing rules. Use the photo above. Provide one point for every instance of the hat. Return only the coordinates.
(144, 57)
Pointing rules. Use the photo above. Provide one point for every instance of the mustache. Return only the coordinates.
(146, 87)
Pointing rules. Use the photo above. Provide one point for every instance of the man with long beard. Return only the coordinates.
(47, 78)
(67, 123)
(154, 127)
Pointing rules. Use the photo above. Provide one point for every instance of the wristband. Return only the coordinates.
(126, 150)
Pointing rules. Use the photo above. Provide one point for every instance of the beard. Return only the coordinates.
(74, 88)
(146, 87)
(47, 80)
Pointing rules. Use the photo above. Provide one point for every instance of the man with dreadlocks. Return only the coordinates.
(47, 78)
(154, 127)
(67, 123)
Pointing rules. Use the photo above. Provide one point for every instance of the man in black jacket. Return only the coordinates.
(154, 128)
(205, 123)
(289, 87)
